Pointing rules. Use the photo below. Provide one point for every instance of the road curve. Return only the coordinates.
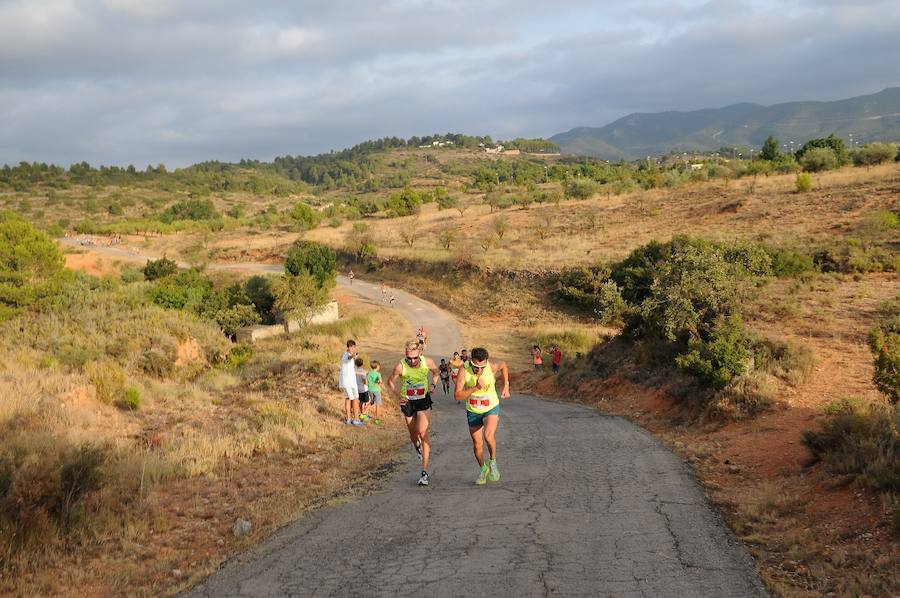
(588, 505)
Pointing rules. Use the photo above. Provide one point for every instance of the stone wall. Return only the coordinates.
(248, 334)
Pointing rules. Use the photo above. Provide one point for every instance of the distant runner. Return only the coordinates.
(477, 387)
(351, 276)
(455, 364)
(444, 368)
(422, 338)
(417, 376)
(383, 292)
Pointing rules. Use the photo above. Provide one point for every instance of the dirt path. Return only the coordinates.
(589, 505)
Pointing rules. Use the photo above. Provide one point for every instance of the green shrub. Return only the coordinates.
(865, 443)
(108, 379)
(258, 290)
(886, 220)
(131, 275)
(160, 268)
(716, 361)
(845, 406)
(581, 188)
(32, 271)
(874, 153)
(884, 341)
(315, 259)
(570, 342)
(131, 400)
(787, 262)
(819, 159)
(405, 203)
(305, 216)
(238, 356)
(79, 474)
(190, 209)
(233, 318)
(803, 182)
(791, 362)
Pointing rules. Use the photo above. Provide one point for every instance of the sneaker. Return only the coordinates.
(495, 472)
(377, 422)
(363, 417)
(423, 481)
(357, 422)
(482, 475)
(349, 422)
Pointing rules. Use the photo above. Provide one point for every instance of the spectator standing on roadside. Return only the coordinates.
(363, 387)
(347, 382)
(374, 380)
(538, 360)
(557, 358)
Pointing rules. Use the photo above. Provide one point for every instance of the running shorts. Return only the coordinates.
(416, 405)
(476, 420)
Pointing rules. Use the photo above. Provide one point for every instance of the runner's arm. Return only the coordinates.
(501, 367)
(392, 385)
(435, 373)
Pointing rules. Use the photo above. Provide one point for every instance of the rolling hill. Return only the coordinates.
(872, 117)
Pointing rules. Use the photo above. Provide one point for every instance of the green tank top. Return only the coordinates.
(481, 401)
(414, 381)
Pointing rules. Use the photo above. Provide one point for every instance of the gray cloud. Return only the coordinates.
(179, 81)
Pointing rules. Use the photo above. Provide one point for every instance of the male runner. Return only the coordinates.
(418, 376)
(477, 387)
(444, 367)
(455, 364)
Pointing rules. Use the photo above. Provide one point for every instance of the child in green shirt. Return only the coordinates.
(373, 378)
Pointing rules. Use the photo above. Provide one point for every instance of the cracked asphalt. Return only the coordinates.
(588, 505)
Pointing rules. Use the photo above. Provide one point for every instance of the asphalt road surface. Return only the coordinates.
(588, 505)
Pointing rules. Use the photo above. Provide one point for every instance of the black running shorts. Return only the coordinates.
(416, 405)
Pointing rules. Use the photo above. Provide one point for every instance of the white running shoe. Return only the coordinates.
(423, 481)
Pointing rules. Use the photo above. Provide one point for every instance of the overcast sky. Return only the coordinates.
(181, 81)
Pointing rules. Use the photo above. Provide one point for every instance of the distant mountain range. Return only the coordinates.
(873, 117)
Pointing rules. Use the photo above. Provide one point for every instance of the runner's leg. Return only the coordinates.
(490, 428)
(421, 425)
(477, 444)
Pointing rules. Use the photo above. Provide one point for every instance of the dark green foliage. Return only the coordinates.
(832, 142)
(406, 202)
(874, 153)
(231, 319)
(315, 259)
(770, 150)
(32, 270)
(187, 290)
(305, 217)
(258, 290)
(884, 341)
(190, 209)
(816, 159)
(716, 361)
(579, 188)
(789, 263)
(155, 269)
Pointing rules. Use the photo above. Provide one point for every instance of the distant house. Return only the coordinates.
(494, 150)
(697, 166)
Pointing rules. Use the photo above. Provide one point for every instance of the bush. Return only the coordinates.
(884, 341)
(874, 153)
(32, 271)
(232, 319)
(787, 262)
(155, 269)
(108, 379)
(716, 361)
(191, 209)
(158, 362)
(314, 259)
(581, 188)
(298, 297)
(404, 203)
(258, 290)
(444, 199)
(791, 362)
(305, 217)
(864, 442)
(131, 401)
(803, 182)
(819, 159)
(238, 356)
(79, 474)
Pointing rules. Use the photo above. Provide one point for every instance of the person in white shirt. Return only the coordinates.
(347, 382)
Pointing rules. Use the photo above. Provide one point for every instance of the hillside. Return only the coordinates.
(867, 118)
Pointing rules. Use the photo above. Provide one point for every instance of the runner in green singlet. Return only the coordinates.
(477, 387)
(418, 379)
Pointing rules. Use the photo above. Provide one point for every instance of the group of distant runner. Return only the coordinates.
(413, 380)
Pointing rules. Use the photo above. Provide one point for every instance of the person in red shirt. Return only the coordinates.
(557, 358)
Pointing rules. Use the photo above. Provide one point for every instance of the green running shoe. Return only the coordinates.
(495, 471)
(482, 475)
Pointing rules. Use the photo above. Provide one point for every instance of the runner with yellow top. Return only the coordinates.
(418, 376)
(477, 386)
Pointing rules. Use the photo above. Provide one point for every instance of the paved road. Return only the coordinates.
(589, 505)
